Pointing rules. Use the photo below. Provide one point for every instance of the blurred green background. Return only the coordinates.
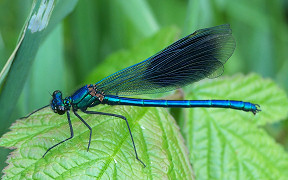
(95, 29)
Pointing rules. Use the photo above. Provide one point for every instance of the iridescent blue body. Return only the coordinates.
(116, 100)
(84, 98)
(190, 59)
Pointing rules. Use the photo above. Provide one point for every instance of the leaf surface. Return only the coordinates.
(44, 16)
(229, 144)
(157, 138)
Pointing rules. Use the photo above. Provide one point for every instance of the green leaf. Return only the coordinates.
(225, 144)
(141, 15)
(49, 57)
(44, 16)
(111, 155)
(196, 9)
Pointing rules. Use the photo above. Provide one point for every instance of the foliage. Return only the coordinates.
(85, 48)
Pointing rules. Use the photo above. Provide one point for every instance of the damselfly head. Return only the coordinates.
(57, 104)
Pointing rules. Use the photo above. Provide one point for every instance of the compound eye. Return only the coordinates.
(56, 94)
